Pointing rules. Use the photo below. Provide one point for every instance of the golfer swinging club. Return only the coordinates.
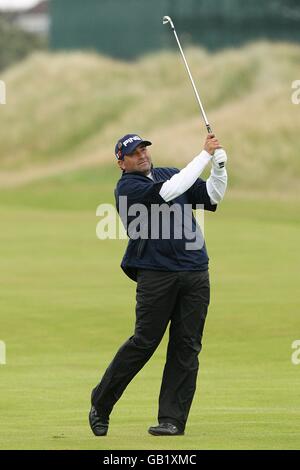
(172, 281)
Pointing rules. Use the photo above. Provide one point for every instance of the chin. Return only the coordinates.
(144, 168)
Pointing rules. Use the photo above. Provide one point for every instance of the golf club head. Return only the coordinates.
(167, 19)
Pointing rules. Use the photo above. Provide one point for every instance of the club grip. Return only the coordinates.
(209, 130)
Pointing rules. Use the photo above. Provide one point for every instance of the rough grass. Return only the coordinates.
(65, 111)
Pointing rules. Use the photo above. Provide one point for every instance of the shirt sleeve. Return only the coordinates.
(217, 184)
(198, 194)
(183, 180)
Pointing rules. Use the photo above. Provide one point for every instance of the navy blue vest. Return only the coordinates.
(163, 254)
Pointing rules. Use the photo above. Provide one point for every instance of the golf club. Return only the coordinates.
(167, 19)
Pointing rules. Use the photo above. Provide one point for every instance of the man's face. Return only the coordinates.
(138, 160)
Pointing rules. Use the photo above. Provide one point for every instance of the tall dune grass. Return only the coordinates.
(66, 110)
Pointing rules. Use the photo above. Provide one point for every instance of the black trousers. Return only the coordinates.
(181, 298)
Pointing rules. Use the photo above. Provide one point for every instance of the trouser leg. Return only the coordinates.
(154, 306)
(185, 343)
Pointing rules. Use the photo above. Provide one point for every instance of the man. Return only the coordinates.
(172, 278)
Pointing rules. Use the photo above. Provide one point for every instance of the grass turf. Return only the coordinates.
(66, 308)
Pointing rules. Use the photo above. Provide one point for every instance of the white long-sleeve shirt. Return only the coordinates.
(179, 183)
(216, 184)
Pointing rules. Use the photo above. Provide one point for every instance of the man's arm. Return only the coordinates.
(183, 180)
(216, 184)
(187, 177)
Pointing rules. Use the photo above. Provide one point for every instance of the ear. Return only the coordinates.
(121, 164)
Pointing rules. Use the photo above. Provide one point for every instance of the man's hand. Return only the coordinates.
(219, 158)
(211, 144)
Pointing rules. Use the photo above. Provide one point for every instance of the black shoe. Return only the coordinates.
(98, 422)
(165, 429)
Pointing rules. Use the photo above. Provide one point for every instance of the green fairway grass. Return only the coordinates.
(66, 307)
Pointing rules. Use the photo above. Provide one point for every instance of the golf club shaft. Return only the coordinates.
(167, 19)
(193, 84)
